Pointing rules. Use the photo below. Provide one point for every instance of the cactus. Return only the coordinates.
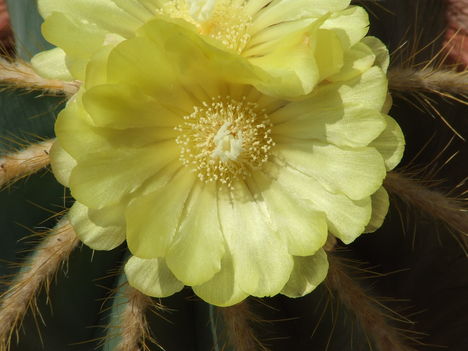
(401, 288)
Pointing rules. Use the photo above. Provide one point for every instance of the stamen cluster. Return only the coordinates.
(225, 22)
(225, 139)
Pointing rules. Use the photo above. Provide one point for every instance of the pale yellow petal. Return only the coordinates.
(105, 177)
(61, 163)
(303, 228)
(124, 106)
(346, 218)
(78, 41)
(340, 170)
(380, 204)
(369, 89)
(380, 51)
(328, 120)
(262, 264)
(358, 59)
(102, 14)
(351, 25)
(329, 53)
(223, 289)
(390, 144)
(152, 219)
(198, 246)
(290, 60)
(152, 277)
(307, 274)
(51, 64)
(92, 234)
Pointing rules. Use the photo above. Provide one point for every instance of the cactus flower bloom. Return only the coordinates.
(213, 182)
(298, 42)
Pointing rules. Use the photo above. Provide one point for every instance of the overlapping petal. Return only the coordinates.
(306, 144)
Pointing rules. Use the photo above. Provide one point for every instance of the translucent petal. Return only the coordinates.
(380, 204)
(103, 178)
(152, 219)
(358, 59)
(391, 143)
(74, 120)
(330, 121)
(152, 277)
(198, 246)
(262, 264)
(329, 53)
(223, 289)
(380, 51)
(61, 163)
(135, 9)
(291, 60)
(307, 274)
(102, 14)
(303, 228)
(124, 106)
(346, 218)
(93, 235)
(286, 11)
(51, 64)
(96, 69)
(351, 25)
(78, 41)
(369, 89)
(356, 172)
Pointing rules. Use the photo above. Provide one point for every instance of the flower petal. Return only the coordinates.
(78, 41)
(346, 218)
(152, 219)
(356, 172)
(61, 163)
(369, 89)
(380, 51)
(93, 235)
(391, 143)
(198, 246)
(51, 64)
(290, 59)
(270, 13)
(103, 178)
(380, 204)
(328, 53)
(152, 277)
(74, 120)
(351, 25)
(124, 106)
(307, 274)
(223, 289)
(329, 121)
(262, 264)
(303, 228)
(102, 14)
(357, 60)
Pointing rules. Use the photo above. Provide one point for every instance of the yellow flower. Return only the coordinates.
(213, 183)
(297, 42)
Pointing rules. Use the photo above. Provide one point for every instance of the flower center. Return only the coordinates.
(219, 19)
(224, 139)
